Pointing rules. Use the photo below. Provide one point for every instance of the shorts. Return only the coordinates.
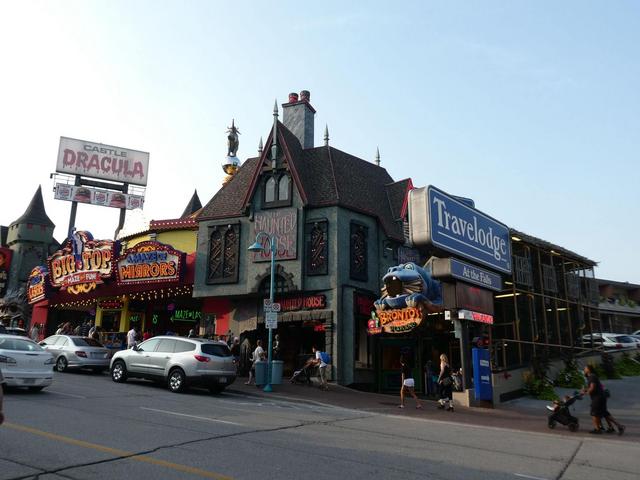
(409, 382)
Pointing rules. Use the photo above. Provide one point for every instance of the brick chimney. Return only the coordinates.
(298, 117)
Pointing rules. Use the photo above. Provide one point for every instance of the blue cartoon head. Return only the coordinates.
(408, 285)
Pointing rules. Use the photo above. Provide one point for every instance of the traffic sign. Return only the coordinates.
(271, 319)
(270, 307)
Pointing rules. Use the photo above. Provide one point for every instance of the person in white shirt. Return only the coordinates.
(131, 337)
(35, 332)
(258, 355)
(322, 368)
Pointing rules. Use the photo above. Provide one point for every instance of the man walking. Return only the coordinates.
(131, 337)
(319, 361)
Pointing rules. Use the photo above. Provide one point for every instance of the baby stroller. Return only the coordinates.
(560, 413)
(303, 375)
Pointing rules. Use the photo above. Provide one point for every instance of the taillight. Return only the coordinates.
(82, 354)
(202, 358)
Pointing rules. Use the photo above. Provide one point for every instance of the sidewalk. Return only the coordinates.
(521, 414)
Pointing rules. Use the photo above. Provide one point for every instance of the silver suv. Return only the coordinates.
(178, 361)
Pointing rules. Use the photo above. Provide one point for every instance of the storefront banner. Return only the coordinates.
(453, 268)
(281, 224)
(5, 268)
(475, 316)
(473, 298)
(438, 219)
(94, 196)
(90, 159)
(395, 321)
(36, 285)
(186, 315)
(82, 263)
(149, 262)
(309, 302)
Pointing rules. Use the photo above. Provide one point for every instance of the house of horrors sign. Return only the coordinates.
(149, 262)
(281, 224)
(82, 263)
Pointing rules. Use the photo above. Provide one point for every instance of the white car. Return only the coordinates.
(611, 341)
(24, 363)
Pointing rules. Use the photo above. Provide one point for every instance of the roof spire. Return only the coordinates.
(377, 156)
(274, 142)
(260, 146)
(326, 135)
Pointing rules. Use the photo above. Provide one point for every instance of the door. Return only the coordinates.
(138, 360)
(159, 359)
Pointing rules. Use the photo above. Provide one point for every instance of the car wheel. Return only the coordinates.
(216, 389)
(119, 372)
(61, 364)
(35, 389)
(177, 380)
(573, 427)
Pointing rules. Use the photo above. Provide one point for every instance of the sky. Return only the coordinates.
(530, 108)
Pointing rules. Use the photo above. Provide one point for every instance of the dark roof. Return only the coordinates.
(229, 200)
(397, 194)
(550, 246)
(193, 206)
(35, 213)
(614, 283)
(325, 176)
(3, 235)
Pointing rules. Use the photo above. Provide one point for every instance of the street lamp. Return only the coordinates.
(258, 247)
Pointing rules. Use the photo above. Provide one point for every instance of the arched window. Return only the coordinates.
(270, 190)
(283, 188)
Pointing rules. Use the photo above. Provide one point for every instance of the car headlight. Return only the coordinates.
(5, 359)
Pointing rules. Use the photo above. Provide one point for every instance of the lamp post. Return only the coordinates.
(257, 247)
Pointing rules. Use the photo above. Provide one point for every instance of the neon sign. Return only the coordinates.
(149, 262)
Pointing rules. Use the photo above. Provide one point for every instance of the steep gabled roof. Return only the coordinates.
(35, 213)
(193, 206)
(324, 176)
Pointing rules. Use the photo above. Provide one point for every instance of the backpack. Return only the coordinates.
(325, 357)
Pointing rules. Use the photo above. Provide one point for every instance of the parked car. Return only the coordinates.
(610, 341)
(636, 333)
(72, 351)
(178, 361)
(16, 331)
(24, 363)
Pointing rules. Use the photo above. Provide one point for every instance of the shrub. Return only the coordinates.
(607, 368)
(627, 366)
(570, 376)
(540, 389)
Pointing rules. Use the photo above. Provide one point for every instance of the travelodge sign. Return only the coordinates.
(438, 219)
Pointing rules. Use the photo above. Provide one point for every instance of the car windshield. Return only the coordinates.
(86, 342)
(215, 349)
(623, 339)
(19, 345)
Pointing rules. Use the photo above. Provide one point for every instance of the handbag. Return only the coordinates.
(446, 382)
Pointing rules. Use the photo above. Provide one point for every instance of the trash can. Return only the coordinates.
(261, 372)
(276, 372)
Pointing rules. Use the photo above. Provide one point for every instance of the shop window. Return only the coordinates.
(317, 248)
(224, 254)
(523, 274)
(277, 191)
(358, 260)
(573, 286)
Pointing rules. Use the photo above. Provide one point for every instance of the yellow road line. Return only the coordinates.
(117, 452)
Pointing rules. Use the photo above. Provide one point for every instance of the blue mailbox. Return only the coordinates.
(482, 374)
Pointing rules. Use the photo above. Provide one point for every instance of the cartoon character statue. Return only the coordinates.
(408, 285)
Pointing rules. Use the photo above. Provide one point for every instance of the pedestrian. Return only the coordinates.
(84, 330)
(445, 383)
(276, 347)
(599, 403)
(235, 352)
(192, 333)
(146, 335)
(35, 332)
(1, 395)
(408, 383)
(131, 337)
(258, 355)
(319, 361)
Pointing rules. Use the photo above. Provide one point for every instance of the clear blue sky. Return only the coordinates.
(531, 108)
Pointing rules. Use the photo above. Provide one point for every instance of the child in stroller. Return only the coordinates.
(560, 412)
(304, 374)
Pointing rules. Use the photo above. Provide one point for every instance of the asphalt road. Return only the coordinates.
(86, 427)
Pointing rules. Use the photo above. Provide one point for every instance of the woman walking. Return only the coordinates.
(599, 404)
(445, 383)
(408, 384)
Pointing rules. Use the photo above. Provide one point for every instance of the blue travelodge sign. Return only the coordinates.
(476, 275)
(438, 219)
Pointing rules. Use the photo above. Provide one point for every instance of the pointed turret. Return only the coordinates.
(193, 206)
(326, 135)
(274, 143)
(35, 213)
(377, 156)
(260, 147)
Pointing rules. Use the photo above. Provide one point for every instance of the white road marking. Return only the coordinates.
(208, 419)
(529, 476)
(66, 394)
